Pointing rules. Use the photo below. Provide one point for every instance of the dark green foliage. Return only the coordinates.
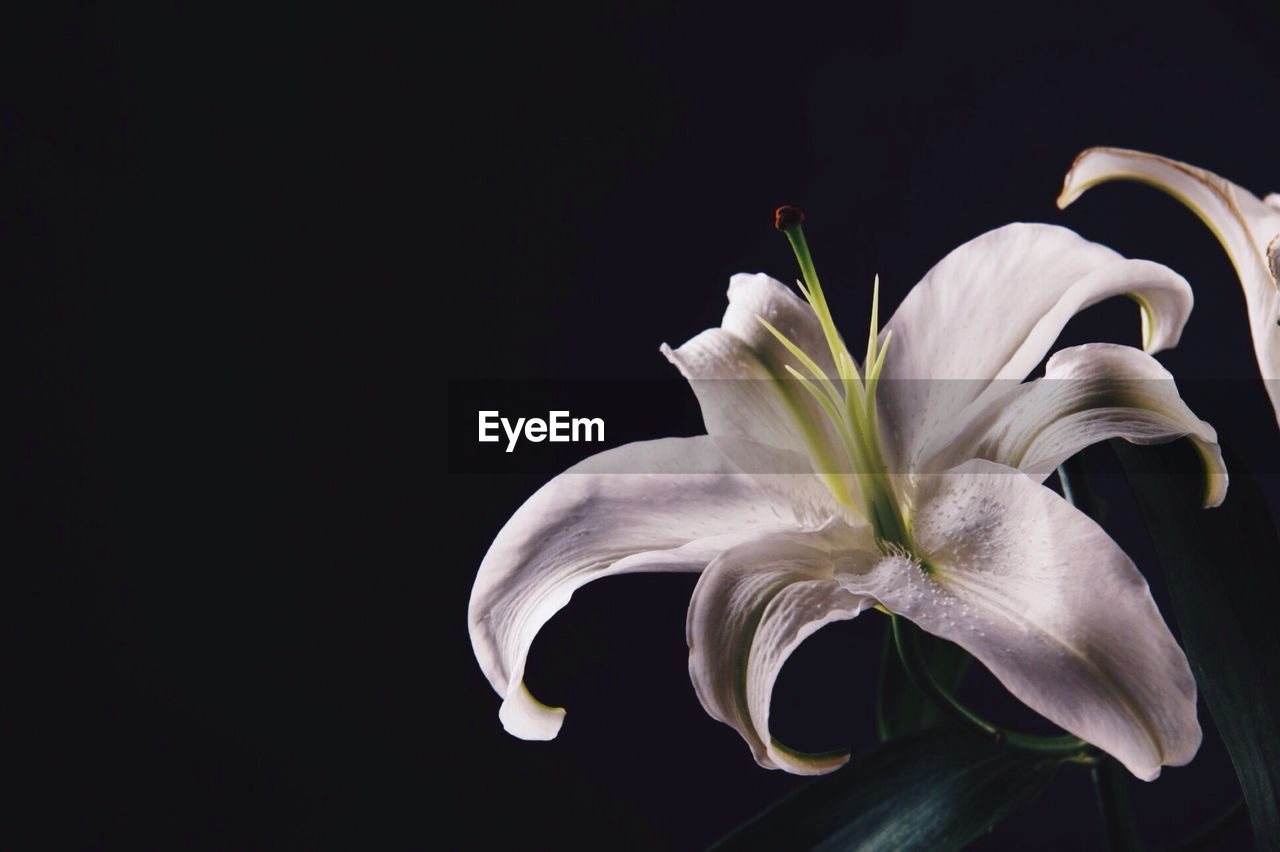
(1222, 567)
(937, 790)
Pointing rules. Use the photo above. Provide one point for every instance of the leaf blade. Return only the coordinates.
(935, 790)
(1221, 570)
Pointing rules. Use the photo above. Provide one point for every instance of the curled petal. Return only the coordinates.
(668, 505)
(738, 372)
(986, 314)
(1043, 597)
(752, 607)
(1247, 227)
(1088, 394)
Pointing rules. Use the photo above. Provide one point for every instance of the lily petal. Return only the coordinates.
(752, 607)
(667, 505)
(1043, 597)
(986, 314)
(1248, 228)
(738, 372)
(1088, 394)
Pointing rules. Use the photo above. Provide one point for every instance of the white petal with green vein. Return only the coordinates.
(668, 505)
(1043, 598)
(752, 607)
(1089, 394)
(992, 308)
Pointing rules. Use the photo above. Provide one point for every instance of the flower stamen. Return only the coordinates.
(850, 400)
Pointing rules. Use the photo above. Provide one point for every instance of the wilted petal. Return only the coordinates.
(668, 505)
(1088, 394)
(991, 309)
(1247, 227)
(1043, 597)
(752, 607)
(738, 372)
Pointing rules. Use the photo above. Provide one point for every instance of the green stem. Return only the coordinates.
(908, 646)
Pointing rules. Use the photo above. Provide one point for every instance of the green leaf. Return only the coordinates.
(1222, 567)
(1073, 478)
(903, 709)
(1111, 782)
(936, 790)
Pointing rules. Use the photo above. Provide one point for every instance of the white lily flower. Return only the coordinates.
(912, 483)
(1247, 227)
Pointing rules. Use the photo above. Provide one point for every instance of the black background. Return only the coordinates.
(248, 252)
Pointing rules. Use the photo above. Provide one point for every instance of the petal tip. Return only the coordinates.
(1182, 753)
(525, 717)
(1216, 478)
(1070, 191)
(803, 763)
(1215, 490)
(1147, 775)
